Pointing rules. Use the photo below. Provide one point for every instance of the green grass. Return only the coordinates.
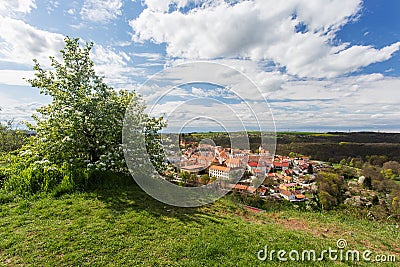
(120, 225)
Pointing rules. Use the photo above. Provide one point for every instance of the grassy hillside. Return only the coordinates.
(120, 225)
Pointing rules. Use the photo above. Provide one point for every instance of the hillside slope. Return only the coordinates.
(120, 225)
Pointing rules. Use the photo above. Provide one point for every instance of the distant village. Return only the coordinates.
(280, 177)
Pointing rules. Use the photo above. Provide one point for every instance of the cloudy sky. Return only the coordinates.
(320, 64)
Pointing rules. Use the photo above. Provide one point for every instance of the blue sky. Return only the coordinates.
(321, 65)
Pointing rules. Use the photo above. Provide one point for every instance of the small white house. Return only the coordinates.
(288, 195)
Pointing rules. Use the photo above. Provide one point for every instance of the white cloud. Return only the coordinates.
(350, 59)
(157, 5)
(114, 66)
(102, 55)
(71, 11)
(377, 116)
(261, 30)
(122, 43)
(373, 101)
(52, 5)
(206, 112)
(21, 42)
(163, 5)
(15, 7)
(15, 77)
(366, 102)
(242, 73)
(148, 56)
(101, 11)
(19, 109)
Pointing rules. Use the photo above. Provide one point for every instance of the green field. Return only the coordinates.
(119, 225)
(307, 133)
(279, 133)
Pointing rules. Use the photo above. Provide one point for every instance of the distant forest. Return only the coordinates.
(332, 146)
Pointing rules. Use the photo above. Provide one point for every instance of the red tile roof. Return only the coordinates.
(233, 161)
(256, 164)
(262, 189)
(240, 187)
(286, 193)
(281, 164)
(220, 168)
(289, 185)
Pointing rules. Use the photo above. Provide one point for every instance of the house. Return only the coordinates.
(287, 179)
(292, 196)
(219, 172)
(279, 176)
(251, 189)
(193, 169)
(300, 197)
(205, 160)
(240, 187)
(234, 162)
(254, 158)
(263, 151)
(257, 168)
(288, 187)
(215, 161)
(245, 188)
(262, 190)
(259, 173)
(220, 154)
(281, 165)
(275, 190)
(288, 195)
(238, 153)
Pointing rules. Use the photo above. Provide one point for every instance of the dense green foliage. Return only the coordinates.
(11, 139)
(330, 190)
(83, 123)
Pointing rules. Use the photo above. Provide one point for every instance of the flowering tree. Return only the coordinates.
(80, 131)
(83, 123)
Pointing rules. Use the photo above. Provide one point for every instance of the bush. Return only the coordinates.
(33, 179)
(11, 139)
(3, 176)
(24, 176)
